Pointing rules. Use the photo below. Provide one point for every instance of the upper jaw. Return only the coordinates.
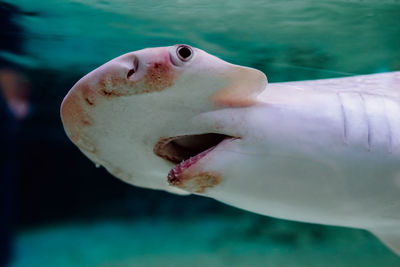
(179, 148)
(198, 133)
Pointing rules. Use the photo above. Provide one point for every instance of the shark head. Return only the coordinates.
(138, 114)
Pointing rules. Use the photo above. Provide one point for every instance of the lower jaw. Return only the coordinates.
(174, 174)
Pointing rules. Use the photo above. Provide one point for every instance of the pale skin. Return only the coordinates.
(324, 151)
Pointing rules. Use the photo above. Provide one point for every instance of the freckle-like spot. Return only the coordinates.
(198, 182)
(86, 122)
(89, 101)
(111, 86)
(88, 94)
(109, 93)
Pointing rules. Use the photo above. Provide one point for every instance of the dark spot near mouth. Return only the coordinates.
(108, 93)
(113, 86)
(175, 181)
(85, 122)
(88, 94)
(197, 183)
(89, 101)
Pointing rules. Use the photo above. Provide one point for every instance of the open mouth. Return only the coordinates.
(186, 150)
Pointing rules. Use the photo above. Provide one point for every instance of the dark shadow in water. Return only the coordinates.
(14, 107)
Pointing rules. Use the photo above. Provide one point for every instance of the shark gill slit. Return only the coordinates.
(344, 119)
(366, 117)
(388, 124)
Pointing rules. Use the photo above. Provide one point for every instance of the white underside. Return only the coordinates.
(326, 156)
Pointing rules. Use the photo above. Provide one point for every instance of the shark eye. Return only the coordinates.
(184, 52)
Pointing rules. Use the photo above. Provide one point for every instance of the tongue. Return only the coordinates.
(173, 175)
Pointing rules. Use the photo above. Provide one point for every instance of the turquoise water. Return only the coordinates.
(246, 240)
(288, 40)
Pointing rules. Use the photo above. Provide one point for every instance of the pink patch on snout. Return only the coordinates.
(158, 75)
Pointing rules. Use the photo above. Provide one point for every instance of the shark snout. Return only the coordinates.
(136, 73)
(111, 80)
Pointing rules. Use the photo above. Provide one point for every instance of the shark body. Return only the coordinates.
(181, 120)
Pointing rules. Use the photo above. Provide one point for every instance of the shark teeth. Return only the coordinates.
(175, 173)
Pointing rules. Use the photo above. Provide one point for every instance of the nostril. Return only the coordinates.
(130, 73)
(133, 70)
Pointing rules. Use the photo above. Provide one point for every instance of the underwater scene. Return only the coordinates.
(58, 209)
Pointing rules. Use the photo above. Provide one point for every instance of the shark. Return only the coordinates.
(181, 120)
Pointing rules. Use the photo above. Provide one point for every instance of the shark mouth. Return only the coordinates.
(186, 150)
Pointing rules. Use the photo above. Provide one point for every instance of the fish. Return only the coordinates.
(184, 121)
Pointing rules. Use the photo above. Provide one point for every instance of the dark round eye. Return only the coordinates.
(184, 52)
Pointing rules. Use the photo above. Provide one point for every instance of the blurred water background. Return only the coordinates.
(69, 213)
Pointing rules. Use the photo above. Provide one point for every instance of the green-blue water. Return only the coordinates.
(288, 40)
(202, 241)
